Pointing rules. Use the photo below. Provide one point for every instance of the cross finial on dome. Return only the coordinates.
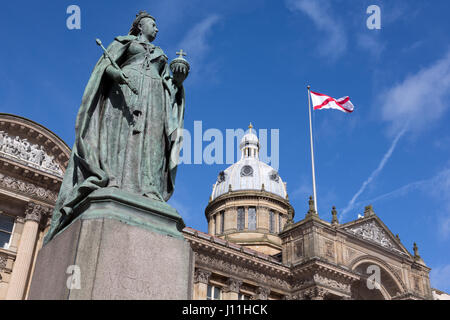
(250, 127)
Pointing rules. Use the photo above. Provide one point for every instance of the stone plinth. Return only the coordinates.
(122, 247)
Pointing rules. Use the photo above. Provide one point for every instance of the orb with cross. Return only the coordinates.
(180, 67)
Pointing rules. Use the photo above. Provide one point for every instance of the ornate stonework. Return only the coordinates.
(201, 276)
(234, 285)
(331, 283)
(371, 231)
(262, 293)
(298, 248)
(240, 269)
(32, 155)
(3, 260)
(27, 188)
(329, 248)
(35, 212)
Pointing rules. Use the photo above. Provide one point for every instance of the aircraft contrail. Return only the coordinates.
(375, 173)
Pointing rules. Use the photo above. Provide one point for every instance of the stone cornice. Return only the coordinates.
(307, 222)
(316, 264)
(236, 261)
(198, 238)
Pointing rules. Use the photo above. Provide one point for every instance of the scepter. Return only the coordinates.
(132, 88)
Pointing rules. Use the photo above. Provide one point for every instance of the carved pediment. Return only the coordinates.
(373, 231)
(33, 155)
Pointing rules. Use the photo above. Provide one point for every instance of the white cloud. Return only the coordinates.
(421, 99)
(334, 44)
(303, 191)
(371, 43)
(437, 187)
(375, 173)
(195, 43)
(440, 278)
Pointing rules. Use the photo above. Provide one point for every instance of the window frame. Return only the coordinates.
(212, 290)
(8, 244)
(272, 221)
(240, 218)
(253, 227)
(222, 222)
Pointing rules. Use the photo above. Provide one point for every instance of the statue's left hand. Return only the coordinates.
(180, 73)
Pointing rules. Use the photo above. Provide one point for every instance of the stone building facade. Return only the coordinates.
(253, 248)
(32, 164)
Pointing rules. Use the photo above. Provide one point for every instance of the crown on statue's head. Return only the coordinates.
(141, 15)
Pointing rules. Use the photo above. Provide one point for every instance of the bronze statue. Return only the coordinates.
(129, 126)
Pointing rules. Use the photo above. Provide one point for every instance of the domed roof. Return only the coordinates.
(249, 173)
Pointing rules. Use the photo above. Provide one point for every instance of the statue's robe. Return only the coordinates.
(124, 140)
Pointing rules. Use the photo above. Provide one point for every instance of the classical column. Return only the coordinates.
(316, 293)
(201, 278)
(22, 265)
(231, 292)
(262, 293)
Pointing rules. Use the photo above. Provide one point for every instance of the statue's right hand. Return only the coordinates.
(117, 75)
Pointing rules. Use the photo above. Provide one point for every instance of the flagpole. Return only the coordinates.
(312, 149)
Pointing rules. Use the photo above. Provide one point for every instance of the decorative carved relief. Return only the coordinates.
(273, 175)
(246, 171)
(299, 283)
(372, 232)
(417, 284)
(252, 272)
(331, 283)
(234, 285)
(27, 188)
(3, 261)
(262, 293)
(298, 248)
(314, 293)
(201, 276)
(221, 177)
(32, 154)
(35, 212)
(329, 248)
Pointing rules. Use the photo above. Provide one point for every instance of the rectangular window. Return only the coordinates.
(271, 222)
(251, 218)
(213, 293)
(6, 227)
(240, 218)
(243, 296)
(222, 222)
(215, 224)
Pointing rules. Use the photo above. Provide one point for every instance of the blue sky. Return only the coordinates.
(251, 61)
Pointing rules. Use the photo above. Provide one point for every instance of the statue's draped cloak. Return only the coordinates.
(124, 140)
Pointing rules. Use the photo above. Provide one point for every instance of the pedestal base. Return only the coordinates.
(117, 248)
